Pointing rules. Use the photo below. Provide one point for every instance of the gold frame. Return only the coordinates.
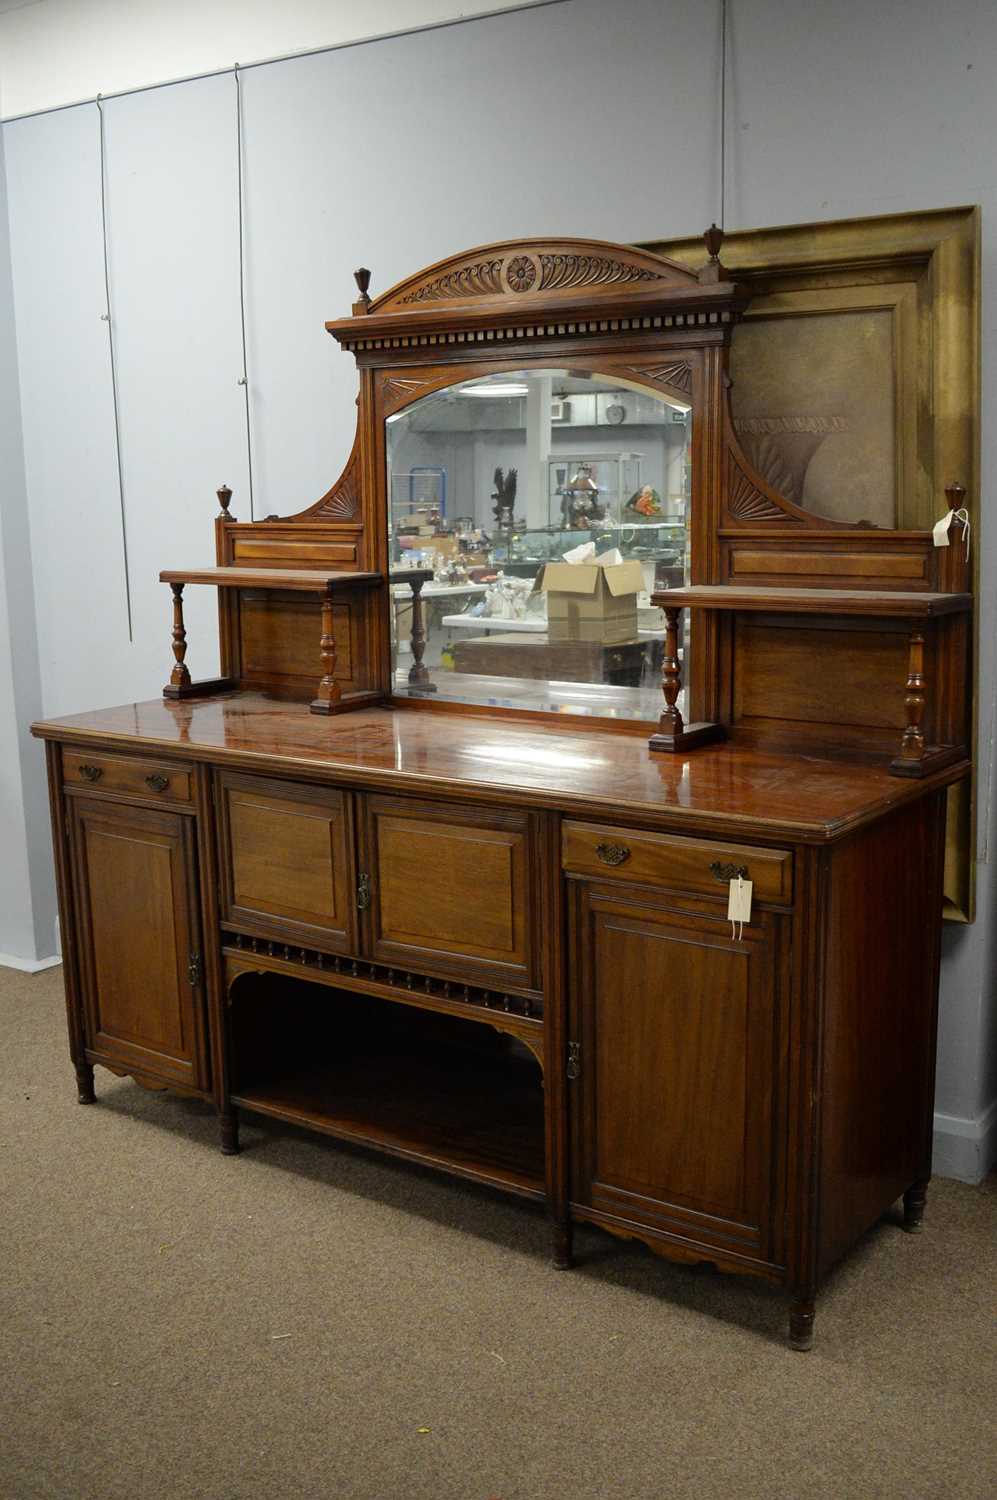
(841, 266)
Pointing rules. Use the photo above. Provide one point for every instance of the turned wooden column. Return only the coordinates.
(418, 676)
(912, 744)
(179, 677)
(329, 691)
(672, 733)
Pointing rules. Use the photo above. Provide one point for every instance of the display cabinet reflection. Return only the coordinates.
(548, 505)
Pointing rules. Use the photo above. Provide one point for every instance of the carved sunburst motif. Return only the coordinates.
(398, 389)
(745, 500)
(675, 374)
(343, 501)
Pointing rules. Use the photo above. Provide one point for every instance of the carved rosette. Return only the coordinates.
(521, 273)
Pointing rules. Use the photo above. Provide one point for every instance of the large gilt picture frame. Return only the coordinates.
(856, 385)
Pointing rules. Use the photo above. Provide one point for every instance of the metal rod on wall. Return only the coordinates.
(244, 379)
(723, 111)
(106, 318)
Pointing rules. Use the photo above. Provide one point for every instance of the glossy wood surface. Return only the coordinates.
(721, 788)
(160, 781)
(604, 852)
(894, 602)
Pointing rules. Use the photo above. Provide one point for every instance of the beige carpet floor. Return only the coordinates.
(308, 1320)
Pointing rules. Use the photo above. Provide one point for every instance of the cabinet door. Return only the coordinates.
(450, 888)
(136, 891)
(287, 861)
(679, 1034)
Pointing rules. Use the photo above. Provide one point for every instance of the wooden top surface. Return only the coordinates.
(720, 789)
(266, 578)
(905, 604)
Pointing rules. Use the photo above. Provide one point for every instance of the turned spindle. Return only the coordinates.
(362, 279)
(224, 500)
(329, 691)
(912, 745)
(673, 733)
(179, 677)
(418, 676)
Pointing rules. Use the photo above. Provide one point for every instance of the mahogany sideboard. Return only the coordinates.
(347, 886)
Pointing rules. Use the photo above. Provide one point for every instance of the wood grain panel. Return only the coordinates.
(868, 569)
(813, 675)
(592, 848)
(155, 781)
(249, 552)
(136, 896)
(678, 1028)
(280, 637)
(287, 862)
(451, 884)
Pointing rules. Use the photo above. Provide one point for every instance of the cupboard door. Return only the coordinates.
(287, 861)
(679, 1033)
(450, 888)
(140, 948)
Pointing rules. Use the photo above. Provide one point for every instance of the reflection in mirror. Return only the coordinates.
(549, 504)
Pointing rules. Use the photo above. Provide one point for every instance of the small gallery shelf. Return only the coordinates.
(326, 586)
(922, 610)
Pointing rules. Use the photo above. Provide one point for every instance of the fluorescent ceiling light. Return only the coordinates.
(495, 388)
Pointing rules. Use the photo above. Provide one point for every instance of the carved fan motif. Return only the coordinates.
(343, 500)
(745, 500)
(589, 270)
(678, 375)
(480, 280)
(401, 388)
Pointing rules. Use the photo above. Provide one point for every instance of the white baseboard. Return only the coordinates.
(965, 1149)
(28, 965)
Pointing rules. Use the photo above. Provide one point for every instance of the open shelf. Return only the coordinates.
(896, 602)
(300, 579)
(445, 1092)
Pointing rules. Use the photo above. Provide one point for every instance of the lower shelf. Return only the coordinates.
(470, 1105)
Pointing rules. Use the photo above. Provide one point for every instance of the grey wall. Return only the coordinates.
(583, 118)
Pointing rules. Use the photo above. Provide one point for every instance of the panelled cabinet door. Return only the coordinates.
(287, 860)
(140, 948)
(450, 888)
(677, 1029)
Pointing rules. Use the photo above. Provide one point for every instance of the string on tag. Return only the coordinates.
(962, 514)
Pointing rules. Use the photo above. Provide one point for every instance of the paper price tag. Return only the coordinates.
(940, 530)
(739, 906)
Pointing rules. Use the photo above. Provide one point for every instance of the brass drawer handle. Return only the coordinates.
(728, 872)
(612, 854)
(91, 773)
(157, 781)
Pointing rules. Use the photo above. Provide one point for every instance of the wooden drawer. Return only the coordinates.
(665, 859)
(156, 781)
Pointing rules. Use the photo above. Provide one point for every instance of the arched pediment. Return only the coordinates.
(522, 270)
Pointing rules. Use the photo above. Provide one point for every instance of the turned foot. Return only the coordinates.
(563, 1254)
(914, 1201)
(84, 1084)
(228, 1128)
(801, 1325)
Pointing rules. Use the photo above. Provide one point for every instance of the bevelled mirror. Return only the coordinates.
(548, 504)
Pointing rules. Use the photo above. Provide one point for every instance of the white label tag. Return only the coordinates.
(940, 530)
(739, 905)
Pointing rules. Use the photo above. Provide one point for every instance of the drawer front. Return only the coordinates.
(701, 865)
(287, 862)
(451, 889)
(156, 781)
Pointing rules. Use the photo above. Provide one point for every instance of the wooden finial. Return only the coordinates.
(362, 279)
(224, 500)
(955, 494)
(714, 238)
(713, 271)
